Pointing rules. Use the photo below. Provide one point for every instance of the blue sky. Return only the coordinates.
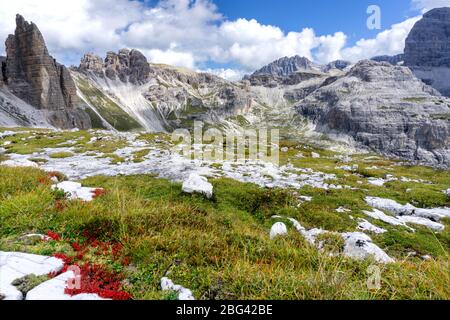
(226, 37)
(325, 16)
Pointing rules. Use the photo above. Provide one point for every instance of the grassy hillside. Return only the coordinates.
(220, 248)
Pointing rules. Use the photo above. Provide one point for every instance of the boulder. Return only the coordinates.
(278, 229)
(16, 265)
(198, 184)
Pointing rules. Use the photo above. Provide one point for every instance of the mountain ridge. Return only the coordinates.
(124, 91)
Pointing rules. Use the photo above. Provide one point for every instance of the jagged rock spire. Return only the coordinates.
(35, 77)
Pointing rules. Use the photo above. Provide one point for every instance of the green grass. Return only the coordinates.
(40, 139)
(61, 155)
(108, 109)
(139, 156)
(220, 248)
(96, 121)
(415, 99)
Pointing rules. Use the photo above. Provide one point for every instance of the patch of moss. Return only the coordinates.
(61, 155)
(29, 282)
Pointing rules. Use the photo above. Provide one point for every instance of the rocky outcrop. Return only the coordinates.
(91, 63)
(127, 66)
(293, 71)
(385, 108)
(159, 97)
(338, 64)
(428, 43)
(394, 60)
(286, 66)
(32, 75)
(2, 69)
(427, 49)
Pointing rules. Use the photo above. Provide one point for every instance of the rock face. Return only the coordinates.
(91, 62)
(2, 68)
(34, 76)
(338, 64)
(428, 43)
(159, 97)
(293, 71)
(386, 108)
(394, 60)
(286, 66)
(427, 49)
(126, 65)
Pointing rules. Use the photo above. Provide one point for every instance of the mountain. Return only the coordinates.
(394, 60)
(377, 105)
(286, 66)
(126, 92)
(32, 79)
(427, 49)
(385, 108)
(294, 70)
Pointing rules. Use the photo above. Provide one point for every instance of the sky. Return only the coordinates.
(230, 38)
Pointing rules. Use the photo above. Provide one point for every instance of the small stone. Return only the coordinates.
(278, 229)
(198, 184)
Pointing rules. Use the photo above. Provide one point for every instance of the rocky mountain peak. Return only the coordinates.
(35, 77)
(428, 43)
(338, 64)
(125, 65)
(394, 60)
(91, 62)
(385, 108)
(286, 66)
(371, 71)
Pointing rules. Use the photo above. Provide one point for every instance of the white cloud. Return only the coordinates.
(330, 47)
(187, 33)
(228, 74)
(388, 42)
(171, 57)
(426, 5)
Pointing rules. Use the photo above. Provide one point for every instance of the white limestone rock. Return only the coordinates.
(75, 190)
(198, 184)
(436, 226)
(278, 229)
(396, 208)
(183, 293)
(16, 265)
(342, 210)
(21, 162)
(365, 225)
(359, 246)
(380, 215)
(376, 182)
(6, 134)
(54, 290)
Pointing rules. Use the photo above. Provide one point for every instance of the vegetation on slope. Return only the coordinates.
(219, 248)
(107, 108)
